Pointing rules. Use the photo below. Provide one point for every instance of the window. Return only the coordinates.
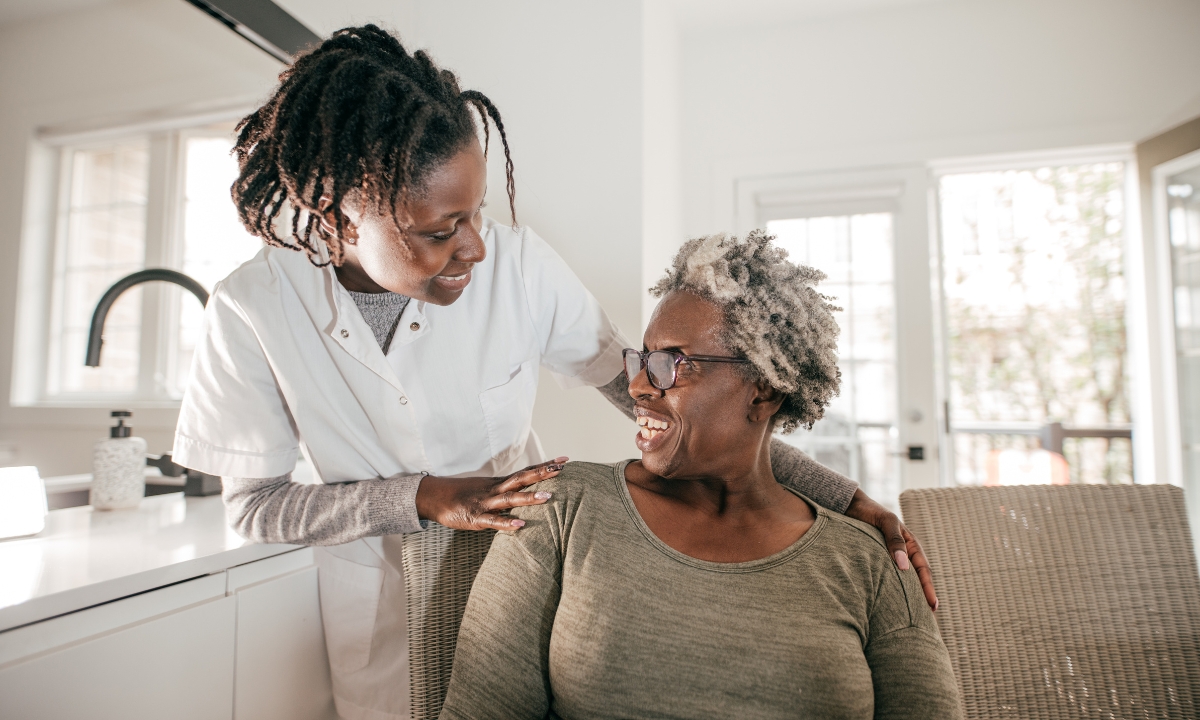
(148, 199)
(858, 434)
(1035, 307)
(103, 221)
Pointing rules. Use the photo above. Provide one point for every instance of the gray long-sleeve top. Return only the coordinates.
(280, 510)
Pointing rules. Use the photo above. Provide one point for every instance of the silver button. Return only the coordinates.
(345, 333)
(415, 326)
(403, 400)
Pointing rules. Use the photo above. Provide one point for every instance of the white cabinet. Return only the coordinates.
(282, 670)
(163, 654)
(242, 644)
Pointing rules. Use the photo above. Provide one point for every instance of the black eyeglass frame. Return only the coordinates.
(677, 358)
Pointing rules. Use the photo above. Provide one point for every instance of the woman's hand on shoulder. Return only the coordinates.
(902, 545)
(480, 503)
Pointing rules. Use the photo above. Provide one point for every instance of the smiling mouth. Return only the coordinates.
(651, 428)
(453, 282)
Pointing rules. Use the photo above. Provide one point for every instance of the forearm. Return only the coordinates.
(617, 393)
(810, 478)
(277, 510)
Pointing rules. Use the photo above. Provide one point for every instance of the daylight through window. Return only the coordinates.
(1033, 276)
(181, 179)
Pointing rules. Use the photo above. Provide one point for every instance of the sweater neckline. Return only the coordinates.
(764, 563)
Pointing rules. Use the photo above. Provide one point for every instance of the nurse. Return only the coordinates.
(395, 334)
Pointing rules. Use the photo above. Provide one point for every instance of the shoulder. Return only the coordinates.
(854, 537)
(520, 246)
(577, 483)
(261, 274)
(897, 600)
(577, 494)
(580, 485)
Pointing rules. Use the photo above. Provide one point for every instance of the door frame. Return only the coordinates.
(902, 190)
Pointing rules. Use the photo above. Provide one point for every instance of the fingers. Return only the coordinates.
(531, 475)
(514, 498)
(491, 521)
(893, 535)
(921, 563)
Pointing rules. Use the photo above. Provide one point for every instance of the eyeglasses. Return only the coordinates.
(662, 366)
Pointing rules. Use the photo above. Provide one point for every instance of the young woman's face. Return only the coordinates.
(432, 261)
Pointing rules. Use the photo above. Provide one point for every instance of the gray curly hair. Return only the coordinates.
(774, 317)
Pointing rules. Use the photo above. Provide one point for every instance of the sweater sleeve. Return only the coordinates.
(792, 467)
(502, 661)
(277, 510)
(910, 666)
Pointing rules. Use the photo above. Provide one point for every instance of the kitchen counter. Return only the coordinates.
(86, 557)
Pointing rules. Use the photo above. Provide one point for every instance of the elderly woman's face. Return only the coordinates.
(714, 416)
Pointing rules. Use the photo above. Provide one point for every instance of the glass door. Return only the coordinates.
(858, 435)
(1034, 302)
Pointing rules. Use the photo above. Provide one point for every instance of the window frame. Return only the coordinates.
(43, 241)
(1162, 304)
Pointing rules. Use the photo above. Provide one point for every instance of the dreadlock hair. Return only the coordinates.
(774, 317)
(358, 113)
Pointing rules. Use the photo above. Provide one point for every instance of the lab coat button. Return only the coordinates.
(403, 400)
(345, 333)
(415, 326)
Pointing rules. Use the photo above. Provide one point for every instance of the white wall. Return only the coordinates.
(566, 77)
(889, 86)
(662, 192)
(114, 60)
(910, 83)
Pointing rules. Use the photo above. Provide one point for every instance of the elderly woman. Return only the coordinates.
(690, 583)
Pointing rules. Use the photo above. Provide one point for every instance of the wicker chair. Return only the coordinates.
(1078, 601)
(440, 565)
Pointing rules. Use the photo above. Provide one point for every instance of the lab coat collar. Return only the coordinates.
(413, 324)
(349, 330)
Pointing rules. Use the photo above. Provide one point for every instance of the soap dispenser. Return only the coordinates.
(118, 468)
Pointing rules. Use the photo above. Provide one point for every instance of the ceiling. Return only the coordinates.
(699, 14)
(691, 13)
(15, 10)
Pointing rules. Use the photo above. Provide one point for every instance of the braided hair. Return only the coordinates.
(357, 113)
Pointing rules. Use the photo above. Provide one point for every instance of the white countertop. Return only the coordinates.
(86, 557)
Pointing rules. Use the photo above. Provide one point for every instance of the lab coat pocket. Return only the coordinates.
(508, 412)
(349, 602)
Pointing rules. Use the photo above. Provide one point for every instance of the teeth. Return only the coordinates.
(648, 422)
(651, 428)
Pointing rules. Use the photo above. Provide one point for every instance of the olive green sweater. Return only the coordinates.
(584, 613)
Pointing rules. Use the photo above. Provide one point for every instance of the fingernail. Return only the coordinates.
(936, 605)
(901, 559)
(517, 523)
(542, 495)
(562, 459)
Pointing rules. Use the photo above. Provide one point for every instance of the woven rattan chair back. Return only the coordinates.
(440, 565)
(1078, 601)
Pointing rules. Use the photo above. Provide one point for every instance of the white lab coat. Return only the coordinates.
(287, 360)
